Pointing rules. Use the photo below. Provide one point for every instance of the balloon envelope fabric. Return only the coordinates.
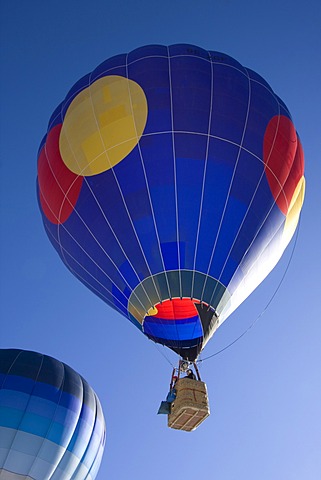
(51, 421)
(170, 182)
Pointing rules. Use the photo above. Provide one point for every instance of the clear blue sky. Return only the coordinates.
(265, 390)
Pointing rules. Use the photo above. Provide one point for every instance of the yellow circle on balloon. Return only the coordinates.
(103, 124)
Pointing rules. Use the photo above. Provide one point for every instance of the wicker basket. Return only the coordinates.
(190, 407)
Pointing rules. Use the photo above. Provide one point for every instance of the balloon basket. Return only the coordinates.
(191, 406)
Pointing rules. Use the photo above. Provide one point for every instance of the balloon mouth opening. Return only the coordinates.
(160, 298)
(182, 324)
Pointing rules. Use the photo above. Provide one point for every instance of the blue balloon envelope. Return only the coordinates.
(170, 182)
(51, 421)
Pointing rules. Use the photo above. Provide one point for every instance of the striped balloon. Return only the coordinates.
(51, 421)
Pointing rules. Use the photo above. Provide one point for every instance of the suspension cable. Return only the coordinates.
(266, 306)
(156, 345)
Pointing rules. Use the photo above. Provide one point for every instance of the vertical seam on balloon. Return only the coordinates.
(44, 197)
(59, 224)
(204, 173)
(162, 324)
(146, 183)
(175, 186)
(174, 169)
(230, 186)
(154, 219)
(267, 215)
(81, 462)
(123, 199)
(272, 205)
(8, 372)
(104, 73)
(51, 422)
(65, 193)
(53, 120)
(75, 426)
(100, 450)
(30, 395)
(105, 218)
(204, 180)
(254, 238)
(243, 220)
(71, 437)
(63, 250)
(271, 266)
(76, 160)
(238, 157)
(28, 402)
(96, 280)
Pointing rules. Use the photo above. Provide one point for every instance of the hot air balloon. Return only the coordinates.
(170, 182)
(51, 421)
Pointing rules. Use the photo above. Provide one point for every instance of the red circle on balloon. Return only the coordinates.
(283, 159)
(59, 188)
